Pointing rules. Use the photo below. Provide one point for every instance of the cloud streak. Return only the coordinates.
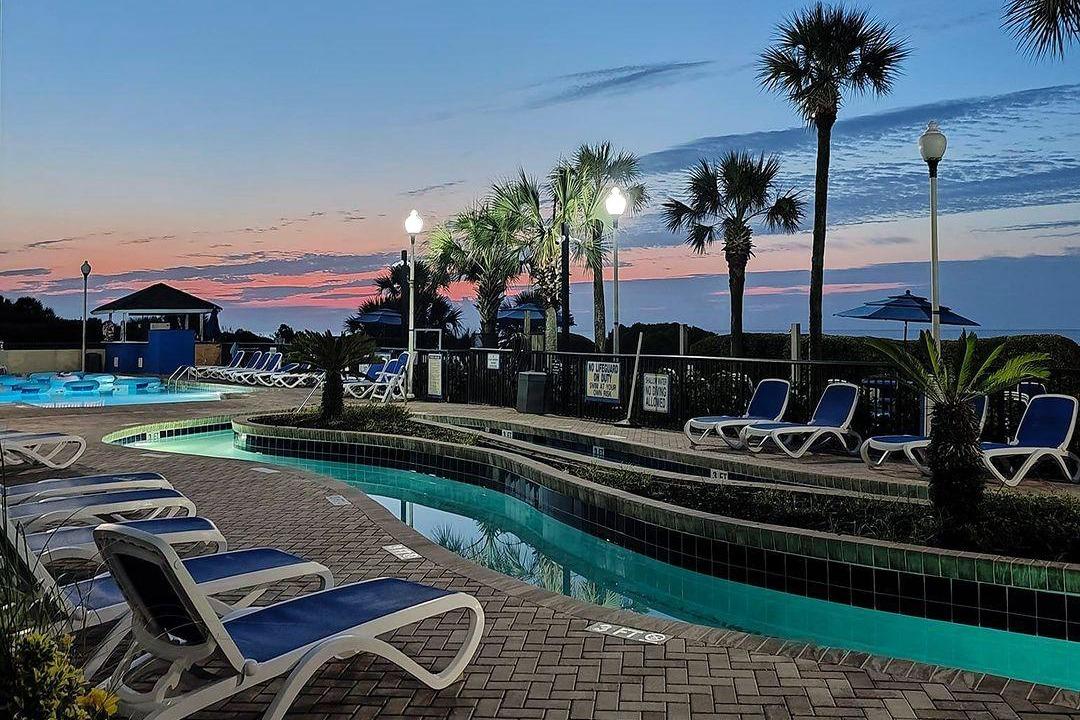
(428, 188)
(615, 81)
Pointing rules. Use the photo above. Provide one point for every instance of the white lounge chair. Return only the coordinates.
(389, 383)
(768, 403)
(912, 446)
(208, 370)
(53, 450)
(83, 485)
(1045, 431)
(360, 387)
(253, 360)
(175, 623)
(831, 421)
(302, 375)
(99, 507)
(97, 601)
(76, 543)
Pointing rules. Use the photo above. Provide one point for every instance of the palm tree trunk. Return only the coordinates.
(551, 330)
(736, 285)
(824, 124)
(599, 312)
(333, 395)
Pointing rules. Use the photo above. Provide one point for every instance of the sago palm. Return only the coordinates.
(1043, 27)
(601, 168)
(479, 246)
(723, 201)
(331, 354)
(950, 387)
(820, 55)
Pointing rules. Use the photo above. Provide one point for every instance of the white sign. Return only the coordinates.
(653, 638)
(602, 381)
(434, 375)
(657, 390)
(493, 361)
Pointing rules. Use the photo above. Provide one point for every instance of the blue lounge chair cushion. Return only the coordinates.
(835, 406)
(77, 536)
(899, 439)
(1002, 446)
(769, 426)
(1047, 421)
(102, 591)
(34, 509)
(86, 480)
(266, 634)
(769, 399)
(713, 419)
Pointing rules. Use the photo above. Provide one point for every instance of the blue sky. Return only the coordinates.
(264, 153)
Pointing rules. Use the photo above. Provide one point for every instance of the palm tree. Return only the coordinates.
(332, 355)
(480, 246)
(1043, 27)
(433, 309)
(525, 200)
(821, 54)
(725, 198)
(956, 484)
(601, 168)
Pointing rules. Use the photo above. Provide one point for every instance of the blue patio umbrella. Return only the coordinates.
(513, 316)
(906, 308)
(383, 317)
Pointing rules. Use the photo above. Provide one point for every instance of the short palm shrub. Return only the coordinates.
(332, 354)
(950, 386)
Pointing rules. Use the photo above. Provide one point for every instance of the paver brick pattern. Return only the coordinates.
(536, 661)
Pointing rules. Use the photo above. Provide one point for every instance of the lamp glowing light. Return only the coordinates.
(414, 223)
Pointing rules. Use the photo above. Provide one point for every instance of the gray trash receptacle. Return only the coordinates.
(530, 392)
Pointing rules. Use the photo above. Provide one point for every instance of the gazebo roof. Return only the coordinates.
(158, 299)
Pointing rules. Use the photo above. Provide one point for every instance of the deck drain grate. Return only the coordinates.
(401, 552)
(265, 470)
(338, 500)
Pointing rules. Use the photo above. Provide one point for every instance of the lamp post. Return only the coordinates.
(413, 225)
(932, 144)
(85, 275)
(616, 206)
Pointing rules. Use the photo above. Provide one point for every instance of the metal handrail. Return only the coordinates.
(318, 384)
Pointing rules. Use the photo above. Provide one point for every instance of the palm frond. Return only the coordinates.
(1043, 27)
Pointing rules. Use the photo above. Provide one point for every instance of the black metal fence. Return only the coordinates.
(682, 387)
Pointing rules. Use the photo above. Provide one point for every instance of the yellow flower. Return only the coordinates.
(99, 703)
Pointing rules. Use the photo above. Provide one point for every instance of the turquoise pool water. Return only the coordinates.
(512, 537)
(99, 390)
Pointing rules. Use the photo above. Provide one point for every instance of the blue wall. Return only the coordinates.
(165, 351)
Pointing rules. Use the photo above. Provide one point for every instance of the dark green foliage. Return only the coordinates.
(1039, 527)
(433, 309)
(951, 380)
(386, 419)
(331, 354)
(26, 320)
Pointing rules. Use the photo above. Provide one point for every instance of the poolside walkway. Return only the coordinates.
(537, 659)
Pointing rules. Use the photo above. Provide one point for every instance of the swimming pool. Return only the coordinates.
(514, 538)
(68, 390)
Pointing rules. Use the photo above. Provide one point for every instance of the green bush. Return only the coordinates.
(389, 419)
(1039, 527)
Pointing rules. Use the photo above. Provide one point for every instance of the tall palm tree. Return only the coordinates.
(433, 309)
(601, 168)
(951, 386)
(1043, 27)
(480, 246)
(821, 54)
(332, 355)
(725, 199)
(528, 202)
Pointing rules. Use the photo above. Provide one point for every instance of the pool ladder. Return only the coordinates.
(180, 374)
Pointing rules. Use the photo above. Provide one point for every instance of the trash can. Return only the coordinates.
(530, 392)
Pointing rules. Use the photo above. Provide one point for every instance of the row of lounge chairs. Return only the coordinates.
(259, 368)
(382, 382)
(192, 643)
(1045, 431)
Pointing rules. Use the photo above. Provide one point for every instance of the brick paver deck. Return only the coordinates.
(537, 660)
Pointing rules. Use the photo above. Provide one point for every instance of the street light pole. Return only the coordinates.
(616, 206)
(413, 225)
(85, 275)
(932, 144)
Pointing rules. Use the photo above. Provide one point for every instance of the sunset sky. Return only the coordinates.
(264, 154)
